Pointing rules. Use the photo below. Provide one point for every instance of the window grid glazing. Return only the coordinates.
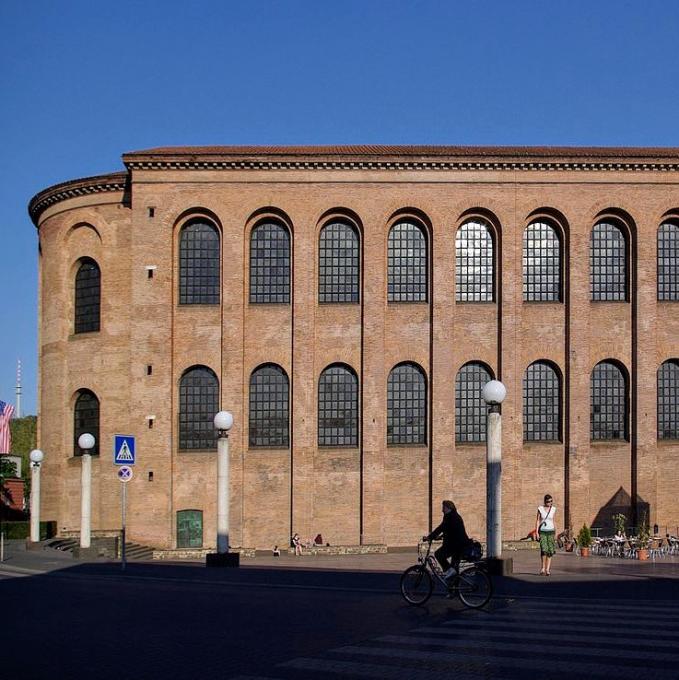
(269, 394)
(541, 264)
(407, 264)
(198, 404)
(541, 403)
(470, 408)
(270, 264)
(87, 297)
(668, 262)
(338, 407)
(474, 263)
(199, 264)
(608, 411)
(607, 263)
(338, 264)
(406, 406)
(86, 420)
(668, 400)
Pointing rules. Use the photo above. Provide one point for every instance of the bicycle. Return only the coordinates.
(471, 584)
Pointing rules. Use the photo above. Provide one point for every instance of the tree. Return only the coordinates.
(8, 469)
(24, 440)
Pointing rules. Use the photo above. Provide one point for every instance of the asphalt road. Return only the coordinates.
(164, 621)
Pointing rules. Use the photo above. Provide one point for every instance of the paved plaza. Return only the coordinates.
(333, 617)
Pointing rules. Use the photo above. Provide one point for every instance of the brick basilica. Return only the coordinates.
(347, 304)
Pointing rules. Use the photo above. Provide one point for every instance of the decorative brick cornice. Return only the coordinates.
(374, 158)
(116, 181)
(435, 158)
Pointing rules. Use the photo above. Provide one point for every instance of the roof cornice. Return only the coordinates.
(366, 157)
(459, 158)
(115, 181)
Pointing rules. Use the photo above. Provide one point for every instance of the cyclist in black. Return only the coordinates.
(455, 539)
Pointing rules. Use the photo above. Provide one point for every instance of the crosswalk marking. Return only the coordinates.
(511, 641)
(584, 637)
(368, 670)
(493, 645)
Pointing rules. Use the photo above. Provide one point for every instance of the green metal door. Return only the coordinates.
(190, 529)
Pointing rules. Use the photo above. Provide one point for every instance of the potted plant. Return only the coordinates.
(644, 536)
(619, 522)
(584, 540)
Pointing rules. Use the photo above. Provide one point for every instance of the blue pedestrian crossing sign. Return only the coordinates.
(123, 449)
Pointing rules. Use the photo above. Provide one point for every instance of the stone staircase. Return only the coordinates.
(133, 551)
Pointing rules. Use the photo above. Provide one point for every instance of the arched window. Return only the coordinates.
(406, 405)
(338, 263)
(269, 394)
(541, 263)
(541, 403)
(608, 413)
(87, 296)
(470, 409)
(338, 407)
(86, 420)
(668, 400)
(189, 528)
(668, 262)
(198, 404)
(407, 263)
(199, 264)
(474, 263)
(270, 264)
(608, 263)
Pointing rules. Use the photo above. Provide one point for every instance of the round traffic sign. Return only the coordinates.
(125, 473)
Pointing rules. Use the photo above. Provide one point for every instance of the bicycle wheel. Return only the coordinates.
(474, 587)
(416, 584)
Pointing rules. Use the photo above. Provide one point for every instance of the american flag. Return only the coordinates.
(6, 411)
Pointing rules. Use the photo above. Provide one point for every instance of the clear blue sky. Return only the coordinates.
(82, 82)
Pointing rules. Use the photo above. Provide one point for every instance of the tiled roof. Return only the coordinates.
(527, 152)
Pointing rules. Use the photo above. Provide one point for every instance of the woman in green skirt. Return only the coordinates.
(545, 529)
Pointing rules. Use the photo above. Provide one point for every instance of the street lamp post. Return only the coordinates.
(223, 558)
(86, 443)
(493, 394)
(36, 457)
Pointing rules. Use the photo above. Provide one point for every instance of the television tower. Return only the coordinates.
(17, 412)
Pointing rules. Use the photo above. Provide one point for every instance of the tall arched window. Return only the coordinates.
(199, 264)
(541, 263)
(269, 395)
(668, 400)
(406, 263)
(338, 263)
(270, 264)
(608, 263)
(668, 262)
(407, 405)
(474, 263)
(198, 404)
(87, 296)
(470, 409)
(608, 412)
(338, 407)
(541, 403)
(86, 420)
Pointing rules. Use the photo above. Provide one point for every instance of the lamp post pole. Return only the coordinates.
(86, 443)
(493, 394)
(36, 457)
(223, 558)
(223, 492)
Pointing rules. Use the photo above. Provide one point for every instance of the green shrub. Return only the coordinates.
(13, 530)
(585, 537)
(619, 522)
